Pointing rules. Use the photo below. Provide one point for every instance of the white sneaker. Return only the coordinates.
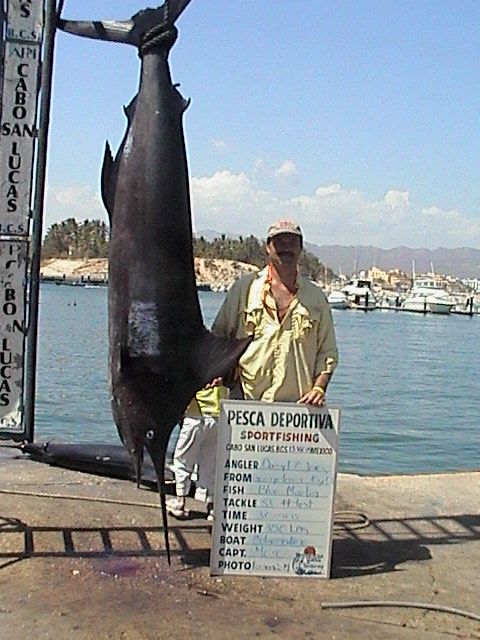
(210, 513)
(176, 508)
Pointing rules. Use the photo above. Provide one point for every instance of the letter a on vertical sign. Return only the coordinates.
(21, 62)
(13, 269)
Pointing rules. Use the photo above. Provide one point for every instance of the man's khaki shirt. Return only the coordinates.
(284, 358)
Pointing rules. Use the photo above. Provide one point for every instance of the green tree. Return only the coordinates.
(89, 239)
(73, 239)
(252, 251)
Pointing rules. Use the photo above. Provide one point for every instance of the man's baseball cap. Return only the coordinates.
(284, 226)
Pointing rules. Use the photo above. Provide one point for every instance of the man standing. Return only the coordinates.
(293, 352)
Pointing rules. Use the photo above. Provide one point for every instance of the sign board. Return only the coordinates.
(13, 269)
(274, 489)
(21, 63)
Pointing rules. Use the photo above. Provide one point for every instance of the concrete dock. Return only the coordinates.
(82, 557)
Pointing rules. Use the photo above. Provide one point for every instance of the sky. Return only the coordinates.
(359, 119)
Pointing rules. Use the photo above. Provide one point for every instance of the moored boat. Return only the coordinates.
(428, 295)
(360, 294)
(337, 300)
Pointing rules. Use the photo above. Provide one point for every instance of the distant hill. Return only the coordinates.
(211, 234)
(462, 262)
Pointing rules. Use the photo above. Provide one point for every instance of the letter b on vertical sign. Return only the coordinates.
(13, 270)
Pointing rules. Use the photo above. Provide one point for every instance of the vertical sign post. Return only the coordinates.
(21, 60)
(51, 15)
(274, 489)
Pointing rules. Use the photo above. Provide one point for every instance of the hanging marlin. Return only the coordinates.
(160, 351)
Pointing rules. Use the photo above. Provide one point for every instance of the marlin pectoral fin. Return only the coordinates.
(218, 356)
(108, 181)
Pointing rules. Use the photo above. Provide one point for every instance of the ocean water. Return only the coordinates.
(408, 384)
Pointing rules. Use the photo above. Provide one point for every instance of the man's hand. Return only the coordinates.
(216, 382)
(315, 397)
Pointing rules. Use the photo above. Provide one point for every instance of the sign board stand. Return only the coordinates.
(274, 489)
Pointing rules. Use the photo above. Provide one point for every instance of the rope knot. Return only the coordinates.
(161, 36)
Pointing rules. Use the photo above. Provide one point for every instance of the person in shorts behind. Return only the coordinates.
(196, 445)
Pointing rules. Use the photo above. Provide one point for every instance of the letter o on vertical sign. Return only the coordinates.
(13, 267)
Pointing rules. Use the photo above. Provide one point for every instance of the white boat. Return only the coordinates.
(359, 294)
(466, 305)
(337, 300)
(388, 300)
(428, 295)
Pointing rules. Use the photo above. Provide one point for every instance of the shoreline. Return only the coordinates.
(218, 275)
(212, 274)
(96, 280)
(85, 281)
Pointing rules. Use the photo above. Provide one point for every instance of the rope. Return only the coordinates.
(399, 603)
(350, 520)
(60, 496)
(162, 35)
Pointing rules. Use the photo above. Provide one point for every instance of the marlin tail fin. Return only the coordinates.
(127, 31)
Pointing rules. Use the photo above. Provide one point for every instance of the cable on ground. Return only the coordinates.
(60, 496)
(399, 603)
(350, 520)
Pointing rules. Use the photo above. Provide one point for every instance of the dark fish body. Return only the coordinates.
(110, 460)
(154, 313)
(160, 351)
